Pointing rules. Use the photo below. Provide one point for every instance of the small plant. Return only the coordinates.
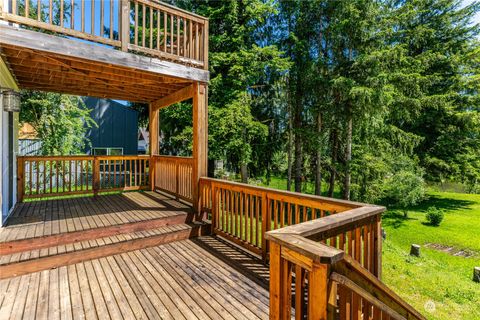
(434, 216)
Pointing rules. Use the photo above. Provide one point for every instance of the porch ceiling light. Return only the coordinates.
(11, 100)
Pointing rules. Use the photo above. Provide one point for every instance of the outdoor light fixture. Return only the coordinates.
(11, 100)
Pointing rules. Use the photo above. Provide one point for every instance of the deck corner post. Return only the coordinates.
(125, 24)
(378, 247)
(96, 176)
(20, 178)
(153, 123)
(200, 140)
(318, 291)
(275, 281)
(265, 226)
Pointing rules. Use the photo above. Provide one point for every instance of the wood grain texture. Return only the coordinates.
(189, 279)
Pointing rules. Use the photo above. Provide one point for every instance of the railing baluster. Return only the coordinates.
(82, 16)
(151, 27)
(61, 12)
(136, 24)
(111, 19)
(144, 24)
(72, 14)
(92, 17)
(102, 14)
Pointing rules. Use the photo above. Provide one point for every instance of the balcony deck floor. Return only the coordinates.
(50, 217)
(204, 278)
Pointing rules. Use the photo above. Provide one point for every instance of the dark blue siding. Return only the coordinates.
(117, 126)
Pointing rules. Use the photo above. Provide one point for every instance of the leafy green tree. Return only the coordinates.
(60, 121)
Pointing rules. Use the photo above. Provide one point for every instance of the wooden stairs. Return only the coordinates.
(19, 257)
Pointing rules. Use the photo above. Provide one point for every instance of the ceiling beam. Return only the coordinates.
(177, 96)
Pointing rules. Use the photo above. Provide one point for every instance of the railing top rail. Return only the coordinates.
(330, 225)
(176, 10)
(346, 204)
(171, 157)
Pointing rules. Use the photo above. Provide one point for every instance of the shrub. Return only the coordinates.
(434, 216)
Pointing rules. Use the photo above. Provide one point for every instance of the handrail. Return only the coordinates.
(148, 27)
(341, 272)
(48, 176)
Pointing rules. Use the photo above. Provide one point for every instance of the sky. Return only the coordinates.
(477, 17)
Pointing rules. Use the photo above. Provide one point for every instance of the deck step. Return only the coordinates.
(21, 263)
(65, 238)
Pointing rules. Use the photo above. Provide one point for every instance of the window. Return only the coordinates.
(107, 151)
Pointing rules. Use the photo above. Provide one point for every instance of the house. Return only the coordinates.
(116, 130)
(114, 134)
(9, 145)
(187, 246)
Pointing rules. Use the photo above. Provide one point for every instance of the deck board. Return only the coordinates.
(188, 279)
(50, 217)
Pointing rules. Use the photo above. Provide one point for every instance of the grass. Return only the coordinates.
(438, 284)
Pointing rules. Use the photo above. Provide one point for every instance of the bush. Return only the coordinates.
(434, 216)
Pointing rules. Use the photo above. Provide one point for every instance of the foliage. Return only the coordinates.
(405, 189)
(434, 216)
(358, 94)
(60, 121)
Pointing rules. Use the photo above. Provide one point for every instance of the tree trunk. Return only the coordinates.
(298, 146)
(290, 142)
(244, 172)
(348, 156)
(331, 185)
(318, 157)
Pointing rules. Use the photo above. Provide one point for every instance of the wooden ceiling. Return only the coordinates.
(48, 71)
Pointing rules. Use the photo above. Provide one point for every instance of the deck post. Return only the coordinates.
(153, 142)
(96, 176)
(20, 177)
(200, 140)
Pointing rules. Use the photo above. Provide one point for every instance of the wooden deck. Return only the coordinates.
(204, 278)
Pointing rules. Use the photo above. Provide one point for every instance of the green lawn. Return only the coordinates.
(437, 278)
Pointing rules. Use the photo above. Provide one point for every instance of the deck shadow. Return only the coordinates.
(237, 258)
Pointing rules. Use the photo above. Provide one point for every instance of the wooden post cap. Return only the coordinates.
(415, 250)
(476, 274)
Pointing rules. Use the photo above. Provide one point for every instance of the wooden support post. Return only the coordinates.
(200, 137)
(96, 176)
(20, 179)
(275, 281)
(265, 214)
(318, 292)
(153, 141)
(377, 268)
(125, 24)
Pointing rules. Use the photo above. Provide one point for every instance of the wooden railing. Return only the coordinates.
(330, 268)
(325, 254)
(244, 213)
(46, 176)
(145, 26)
(174, 176)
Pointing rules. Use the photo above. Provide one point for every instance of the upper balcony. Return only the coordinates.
(135, 50)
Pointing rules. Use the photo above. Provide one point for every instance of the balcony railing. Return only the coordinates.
(47, 176)
(145, 27)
